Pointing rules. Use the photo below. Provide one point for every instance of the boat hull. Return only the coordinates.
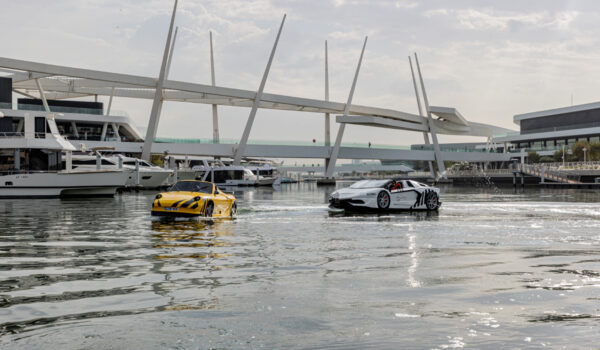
(148, 178)
(62, 184)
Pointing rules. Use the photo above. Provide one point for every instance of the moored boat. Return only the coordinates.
(140, 172)
(32, 164)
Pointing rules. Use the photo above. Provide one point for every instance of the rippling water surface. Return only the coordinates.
(492, 269)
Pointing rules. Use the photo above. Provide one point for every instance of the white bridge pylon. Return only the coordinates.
(51, 82)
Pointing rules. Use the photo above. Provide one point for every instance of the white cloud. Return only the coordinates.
(562, 20)
(406, 4)
(346, 35)
(501, 20)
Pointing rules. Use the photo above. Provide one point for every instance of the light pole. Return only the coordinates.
(563, 149)
(584, 158)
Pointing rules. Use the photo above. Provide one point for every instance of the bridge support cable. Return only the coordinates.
(432, 127)
(425, 135)
(158, 95)
(110, 99)
(239, 152)
(338, 140)
(42, 94)
(327, 117)
(215, 114)
(171, 53)
(115, 128)
(104, 130)
(162, 97)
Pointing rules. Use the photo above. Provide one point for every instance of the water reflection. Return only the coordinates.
(191, 234)
(414, 259)
(414, 215)
(488, 268)
(187, 255)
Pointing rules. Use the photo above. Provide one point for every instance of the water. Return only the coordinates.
(492, 269)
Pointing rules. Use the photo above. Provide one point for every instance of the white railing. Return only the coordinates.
(573, 166)
(478, 172)
(419, 174)
(542, 171)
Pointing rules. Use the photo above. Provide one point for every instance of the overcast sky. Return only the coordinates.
(488, 59)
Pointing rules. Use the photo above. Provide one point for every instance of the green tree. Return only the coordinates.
(577, 149)
(546, 159)
(533, 157)
(594, 152)
(557, 156)
(156, 159)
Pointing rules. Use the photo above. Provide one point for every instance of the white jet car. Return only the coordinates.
(391, 194)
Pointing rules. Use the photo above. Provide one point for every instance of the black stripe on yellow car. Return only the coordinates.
(176, 203)
(185, 205)
(194, 206)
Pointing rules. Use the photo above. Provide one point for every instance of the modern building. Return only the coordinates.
(551, 130)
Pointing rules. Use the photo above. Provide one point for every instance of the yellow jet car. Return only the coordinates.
(191, 198)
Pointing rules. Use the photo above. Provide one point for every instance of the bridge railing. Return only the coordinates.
(478, 172)
(280, 143)
(573, 166)
(540, 170)
(322, 144)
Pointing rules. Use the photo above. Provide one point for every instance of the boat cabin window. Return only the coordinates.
(90, 162)
(192, 186)
(24, 160)
(221, 176)
(262, 171)
(9, 126)
(40, 127)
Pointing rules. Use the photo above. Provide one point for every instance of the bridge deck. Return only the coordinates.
(292, 151)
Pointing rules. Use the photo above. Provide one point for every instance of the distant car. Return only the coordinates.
(390, 194)
(189, 198)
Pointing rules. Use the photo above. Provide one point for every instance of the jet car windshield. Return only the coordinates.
(370, 184)
(192, 186)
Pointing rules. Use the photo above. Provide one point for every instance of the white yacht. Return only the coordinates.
(140, 173)
(31, 162)
(182, 166)
(225, 175)
(266, 174)
(150, 176)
